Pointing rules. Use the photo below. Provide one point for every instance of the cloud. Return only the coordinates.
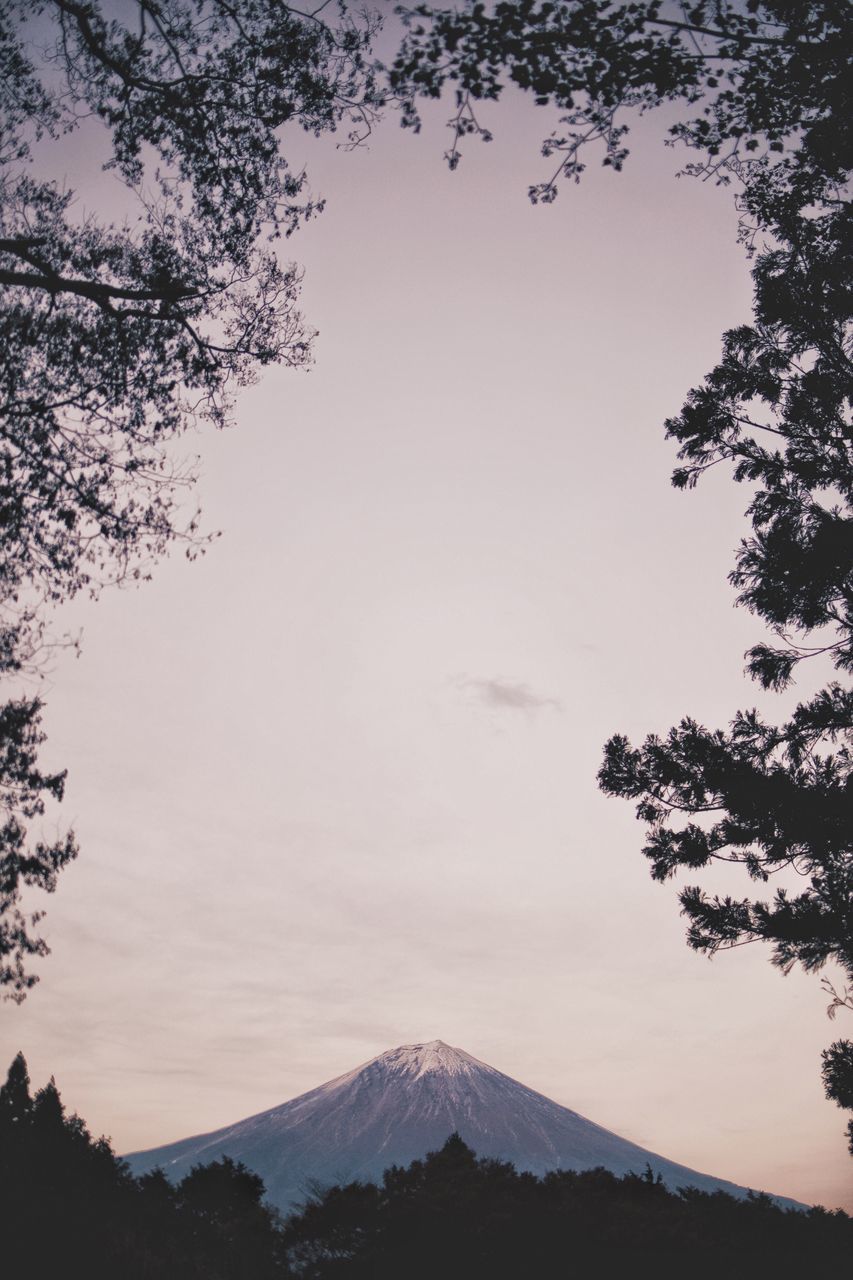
(507, 695)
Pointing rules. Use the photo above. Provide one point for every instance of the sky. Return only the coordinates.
(335, 783)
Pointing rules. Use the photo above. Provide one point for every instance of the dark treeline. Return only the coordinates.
(71, 1208)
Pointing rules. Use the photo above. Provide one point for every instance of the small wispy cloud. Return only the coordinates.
(506, 695)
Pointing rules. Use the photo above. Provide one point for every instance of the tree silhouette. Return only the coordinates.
(71, 1208)
(763, 92)
(454, 1215)
(117, 336)
(15, 1100)
(767, 75)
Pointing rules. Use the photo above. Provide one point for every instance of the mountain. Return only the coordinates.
(397, 1107)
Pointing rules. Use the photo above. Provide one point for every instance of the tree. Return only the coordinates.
(117, 337)
(15, 1100)
(24, 792)
(224, 1201)
(838, 1077)
(772, 798)
(770, 76)
(766, 101)
(456, 1215)
(71, 1207)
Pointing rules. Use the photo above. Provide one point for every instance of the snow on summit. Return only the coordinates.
(397, 1107)
(418, 1059)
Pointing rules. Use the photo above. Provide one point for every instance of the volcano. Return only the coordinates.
(396, 1108)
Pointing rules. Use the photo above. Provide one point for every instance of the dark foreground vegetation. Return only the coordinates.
(71, 1208)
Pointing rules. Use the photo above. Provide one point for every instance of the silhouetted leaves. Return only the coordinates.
(838, 1077)
(753, 79)
(23, 795)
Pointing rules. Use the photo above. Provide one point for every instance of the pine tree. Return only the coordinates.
(15, 1101)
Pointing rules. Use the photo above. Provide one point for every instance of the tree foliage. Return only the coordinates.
(762, 74)
(762, 92)
(117, 336)
(24, 793)
(71, 1208)
(773, 798)
(454, 1215)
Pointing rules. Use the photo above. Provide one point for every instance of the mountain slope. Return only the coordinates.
(397, 1107)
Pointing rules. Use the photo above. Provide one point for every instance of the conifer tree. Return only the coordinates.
(15, 1101)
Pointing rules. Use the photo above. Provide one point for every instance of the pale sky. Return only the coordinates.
(335, 784)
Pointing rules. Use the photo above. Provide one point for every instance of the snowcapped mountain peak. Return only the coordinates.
(397, 1107)
(431, 1057)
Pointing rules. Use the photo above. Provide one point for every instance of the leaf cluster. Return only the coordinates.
(764, 798)
(763, 76)
(25, 792)
(838, 1078)
(777, 409)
